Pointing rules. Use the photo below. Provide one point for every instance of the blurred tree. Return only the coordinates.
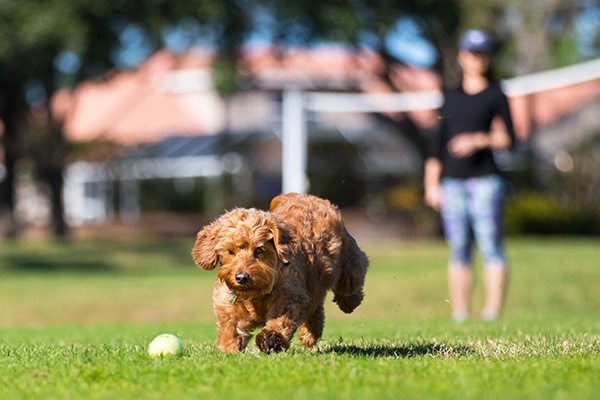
(10, 102)
(50, 44)
(536, 35)
(366, 22)
(371, 23)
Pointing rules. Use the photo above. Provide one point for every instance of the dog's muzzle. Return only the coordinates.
(242, 278)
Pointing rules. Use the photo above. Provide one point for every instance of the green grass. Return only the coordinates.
(75, 320)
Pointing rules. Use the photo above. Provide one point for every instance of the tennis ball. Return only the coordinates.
(165, 345)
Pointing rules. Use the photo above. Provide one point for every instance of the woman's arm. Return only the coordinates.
(465, 144)
(432, 175)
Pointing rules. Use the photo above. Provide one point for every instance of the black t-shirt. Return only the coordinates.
(460, 113)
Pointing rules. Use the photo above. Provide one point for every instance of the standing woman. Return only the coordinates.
(463, 182)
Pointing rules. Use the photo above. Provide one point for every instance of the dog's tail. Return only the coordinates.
(348, 291)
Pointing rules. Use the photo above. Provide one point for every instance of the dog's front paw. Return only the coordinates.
(268, 341)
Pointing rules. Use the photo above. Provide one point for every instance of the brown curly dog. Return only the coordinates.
(276, 268)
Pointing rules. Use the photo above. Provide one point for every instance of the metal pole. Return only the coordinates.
(294, 143)
(129, 201)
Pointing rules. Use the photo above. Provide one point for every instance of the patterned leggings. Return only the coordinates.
(472, 212)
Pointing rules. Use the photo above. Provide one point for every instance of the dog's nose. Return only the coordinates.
(242, 277)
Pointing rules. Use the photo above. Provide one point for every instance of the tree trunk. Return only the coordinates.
(8, 225)
(54, 175)
(51, 160)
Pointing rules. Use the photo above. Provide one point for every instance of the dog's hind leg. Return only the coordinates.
(348, 303)
(348, 291)
(310, 331)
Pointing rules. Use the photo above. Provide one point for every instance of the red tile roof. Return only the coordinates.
(129, 107)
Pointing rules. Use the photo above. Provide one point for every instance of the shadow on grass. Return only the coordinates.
(96, 256)
(392, 351)
(39, 263)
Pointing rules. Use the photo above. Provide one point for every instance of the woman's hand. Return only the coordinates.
(433, 197)
(465, 144)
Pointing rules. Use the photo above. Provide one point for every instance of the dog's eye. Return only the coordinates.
(259, 251)
(230, 252)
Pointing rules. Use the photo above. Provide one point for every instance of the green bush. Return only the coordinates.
(538, 213)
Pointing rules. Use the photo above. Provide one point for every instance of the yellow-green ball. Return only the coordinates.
(165, 345)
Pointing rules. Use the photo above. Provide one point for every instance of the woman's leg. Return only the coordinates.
(460, 282)
(486, 206)
(458, 234)
(494, 280)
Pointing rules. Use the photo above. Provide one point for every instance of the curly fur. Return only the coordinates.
(279, 266)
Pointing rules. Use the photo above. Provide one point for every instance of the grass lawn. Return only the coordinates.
(75, 321)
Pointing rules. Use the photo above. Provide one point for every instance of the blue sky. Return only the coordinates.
(587, 25)
(405, 41)
(407, 44)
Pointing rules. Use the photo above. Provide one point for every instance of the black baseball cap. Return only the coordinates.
(476, 40)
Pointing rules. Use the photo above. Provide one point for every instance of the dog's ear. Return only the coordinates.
(204, 253)
(283, 239)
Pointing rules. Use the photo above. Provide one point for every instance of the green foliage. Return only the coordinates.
(536, 213)
(182, 196)
(564, 51)
(36, 32)
(225, 76)
(340, 21)
(534, 36)
(71, 334)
